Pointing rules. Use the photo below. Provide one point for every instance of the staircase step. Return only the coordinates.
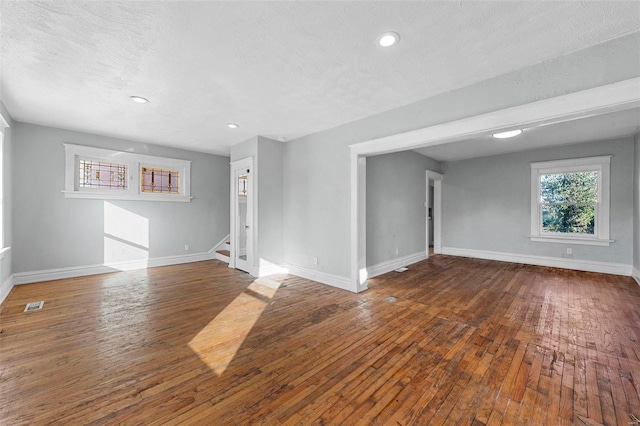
(223, 255)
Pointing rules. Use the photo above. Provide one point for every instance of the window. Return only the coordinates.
(570, 201)
(105, 174)
(98, 174)
(159, 180)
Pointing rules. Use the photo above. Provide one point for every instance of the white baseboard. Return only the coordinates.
(390, 265)
(80, 271)
(636, 275)
(5, 288)
(271, 269)
(555, 262)
(319, 276)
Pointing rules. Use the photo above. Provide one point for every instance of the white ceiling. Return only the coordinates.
(602, 127)
(279, 69)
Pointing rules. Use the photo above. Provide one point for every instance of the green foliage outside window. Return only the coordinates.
(568, 202)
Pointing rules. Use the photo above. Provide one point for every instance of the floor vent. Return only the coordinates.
(34, 306)
(401, 269)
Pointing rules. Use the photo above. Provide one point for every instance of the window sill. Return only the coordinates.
(127, 197)
(571, 240)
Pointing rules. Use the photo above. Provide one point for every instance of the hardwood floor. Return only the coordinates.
(451, 341)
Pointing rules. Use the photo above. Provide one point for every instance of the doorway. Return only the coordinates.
(242, 202)
(596, 101)
(433, 205)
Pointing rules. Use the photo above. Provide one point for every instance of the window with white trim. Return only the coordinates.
(105, 174)
(570, 201)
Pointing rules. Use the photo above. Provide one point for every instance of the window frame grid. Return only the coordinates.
(176, 173)
(98, 188)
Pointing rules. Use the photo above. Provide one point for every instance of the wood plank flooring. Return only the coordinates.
(451, 341)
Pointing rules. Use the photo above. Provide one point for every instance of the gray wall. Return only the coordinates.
(486, 203)
(636, 206)
(270, 200)
(55, 232)
(317, 170)
(7, 195)
(396, 213)
(245, 149)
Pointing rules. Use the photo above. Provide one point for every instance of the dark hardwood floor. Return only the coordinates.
(451, 341)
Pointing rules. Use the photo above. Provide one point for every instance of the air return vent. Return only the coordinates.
(34, 306)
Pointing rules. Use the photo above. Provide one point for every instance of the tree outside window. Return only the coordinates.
(569, 202)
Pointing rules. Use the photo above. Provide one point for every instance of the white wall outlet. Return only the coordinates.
(569, 251)
(397, 251)
(186, 247)
(315, 260)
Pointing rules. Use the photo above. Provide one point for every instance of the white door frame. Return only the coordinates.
(245, 163)
(620, 96)
(436, 214)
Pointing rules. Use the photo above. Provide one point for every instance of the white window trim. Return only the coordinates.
(134, 163)
(600, 164)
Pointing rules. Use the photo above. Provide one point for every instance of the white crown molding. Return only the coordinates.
(554, 262)
(390, 265)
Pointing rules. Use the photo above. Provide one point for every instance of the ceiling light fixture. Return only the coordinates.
(232, 125)
(139, 99)
(388, 39)
(506, 135)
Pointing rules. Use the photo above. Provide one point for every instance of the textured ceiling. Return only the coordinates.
(279, 69)
(606, 126)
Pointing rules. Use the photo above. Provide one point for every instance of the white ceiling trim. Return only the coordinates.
(619, 96)
(599, 100)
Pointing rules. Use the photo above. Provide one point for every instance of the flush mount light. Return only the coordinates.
(139, 99)
(506, 135)
(388, 39)
(233, 125)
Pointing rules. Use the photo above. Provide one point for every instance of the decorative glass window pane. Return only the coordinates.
(568, 202)
(98, 174)
(242, 185)
(160, 180)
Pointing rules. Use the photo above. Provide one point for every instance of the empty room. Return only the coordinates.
(312, 212)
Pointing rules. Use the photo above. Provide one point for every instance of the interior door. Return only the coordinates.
(242, 244)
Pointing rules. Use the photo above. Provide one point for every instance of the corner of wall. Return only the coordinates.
(5, 288)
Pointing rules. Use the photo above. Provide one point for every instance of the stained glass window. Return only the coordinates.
(99, 174)
(160, 180)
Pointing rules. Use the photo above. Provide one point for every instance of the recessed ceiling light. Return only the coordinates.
(509, 134)
(232, 125)
(139, 99)
(388, 39)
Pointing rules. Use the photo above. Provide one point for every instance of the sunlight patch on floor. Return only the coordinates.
(219, 341)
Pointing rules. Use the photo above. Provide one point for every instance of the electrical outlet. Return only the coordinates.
(186, 247)
(397, 251)
(315, 260)
(569, 251)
